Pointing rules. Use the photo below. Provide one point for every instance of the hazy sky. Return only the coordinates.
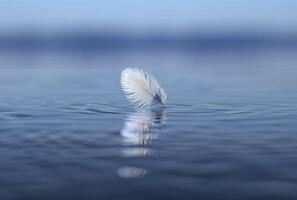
(277, 15)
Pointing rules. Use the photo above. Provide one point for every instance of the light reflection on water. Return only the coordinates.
(141, 129)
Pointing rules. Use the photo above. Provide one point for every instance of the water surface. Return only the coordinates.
(228, 130)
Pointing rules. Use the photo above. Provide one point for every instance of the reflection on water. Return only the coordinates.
(140, 129)
(132, 172)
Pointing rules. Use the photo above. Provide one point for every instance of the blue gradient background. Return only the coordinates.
(216, 15)
(122, 25)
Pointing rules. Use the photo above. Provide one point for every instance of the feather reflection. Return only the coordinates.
(139, 131)
(142, 127)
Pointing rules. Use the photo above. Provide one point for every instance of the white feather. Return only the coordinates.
(141, 88)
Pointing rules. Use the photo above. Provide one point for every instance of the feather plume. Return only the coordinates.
(141, 88)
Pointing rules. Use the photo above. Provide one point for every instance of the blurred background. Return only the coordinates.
(121, 26)
(220, 43)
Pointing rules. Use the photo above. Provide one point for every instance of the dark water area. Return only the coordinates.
(228, 130)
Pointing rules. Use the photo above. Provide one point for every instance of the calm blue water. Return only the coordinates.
(229, 130)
